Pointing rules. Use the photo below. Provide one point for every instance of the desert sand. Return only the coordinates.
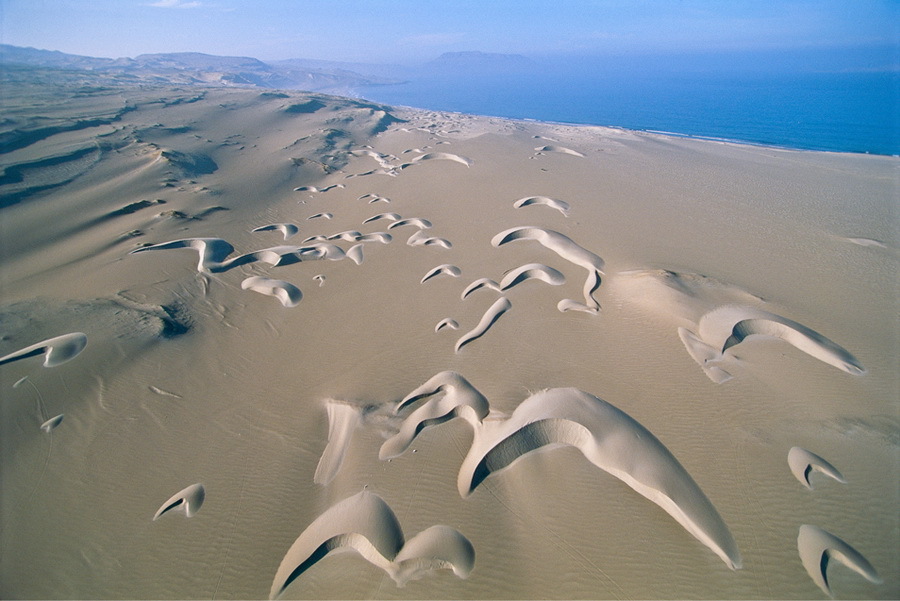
(264, 344)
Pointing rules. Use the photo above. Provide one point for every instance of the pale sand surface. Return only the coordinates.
(238, 387)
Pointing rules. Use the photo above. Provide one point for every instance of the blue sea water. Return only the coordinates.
(849, 111)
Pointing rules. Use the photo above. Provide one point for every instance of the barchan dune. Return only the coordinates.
(281, 290)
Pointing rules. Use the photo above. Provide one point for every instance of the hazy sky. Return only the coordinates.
(418, 30)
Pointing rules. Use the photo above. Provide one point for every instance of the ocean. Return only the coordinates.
(845, 111)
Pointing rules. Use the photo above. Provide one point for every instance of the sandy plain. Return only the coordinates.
(259, 343)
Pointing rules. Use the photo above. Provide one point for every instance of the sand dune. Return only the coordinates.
(287, 229)
(366, 524)
(438, 156)
(818, 547)
(320, 216)
(445, 269)
(532, 271)
(728, 326)
(56, 351)
(609, 438)
(188, 501)
(559, 205)
(447, 322)
(389, 216)
(803, 463)
(343, 418)
(52, 423)
(478, 285)
(287, 293)
(422, 224)
(490, 317)
(558, 149)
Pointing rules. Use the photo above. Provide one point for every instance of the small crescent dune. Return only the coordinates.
(728, 326)
(422, 224)
(559, 205)
(388, 216)
(320, 278)
(51, 423)
(320, 216)
(343, 419)
(287, 293)
(382, 237)
(212, 251)
(446, 323)
(287, 229)
(478, 284)
(355, 254)
(366, 524)
(188, 500)
(818, 547)
(532, 271)
(56, 351)
(438, 156)
(559, 149)
(567, 249)
(608, 437)
(803, 463)
(500, 306)
(348, 236)
(373, 198)
(445, 269)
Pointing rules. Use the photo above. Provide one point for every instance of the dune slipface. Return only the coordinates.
(343, 418)
(500, 306)
(803, 463)
(817, 548)
(559, 205)
(366, 524)
(608, 438)
(287, 293)
(188, 500)
(56, 351)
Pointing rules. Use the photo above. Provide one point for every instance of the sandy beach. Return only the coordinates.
(263, 344)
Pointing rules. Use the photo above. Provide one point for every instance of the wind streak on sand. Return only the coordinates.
(608, 437)
(366, 524)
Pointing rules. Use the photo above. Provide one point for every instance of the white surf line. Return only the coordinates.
(287, 229)
(188, 501)
(445, 269)
(803, 463)
(56, 351)
(567, 249)
(500, 306)
(559, 205)
(558, 149)
(818, 547)
(287, 293)
(729, 325)
(532, 271)
(608, 437)
(366, 524)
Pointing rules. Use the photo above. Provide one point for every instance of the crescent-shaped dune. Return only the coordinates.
(287, 293)
(56, 351)
(366, 524)
(355, 254)
(188, 500)
(51, 423)
(559, 205)
(388, 216)
(500, 306)
(613, 441)
(478, 284)
(803, 463)
(212, 251)
(343, 419)
(451, 396)
(532, 271)
(445, 269)
(447, 322)
(729, 325)
(382, 237)
(559, 149)
(438, 156)
(287, 229)
(349, 236)
(320, 216)
(817, 548)
(422, 224)
(567, 249)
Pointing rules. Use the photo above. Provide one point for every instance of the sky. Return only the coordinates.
(414, 31)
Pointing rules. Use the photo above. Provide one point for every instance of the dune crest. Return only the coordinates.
(500, 306)
(803, 463)
(343, 419)
(608, 437)
(287, 229)
(188, 501)
(52, 423)
(728, 326)
(479, 284)
(553, 203)
(366, 524)
(818, 547)
(56, 351)
(558, 149)
(532, 271)
(287, 293)
(445, 269)
(446, 323)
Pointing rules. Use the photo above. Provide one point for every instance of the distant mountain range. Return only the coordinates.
(205, 69)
